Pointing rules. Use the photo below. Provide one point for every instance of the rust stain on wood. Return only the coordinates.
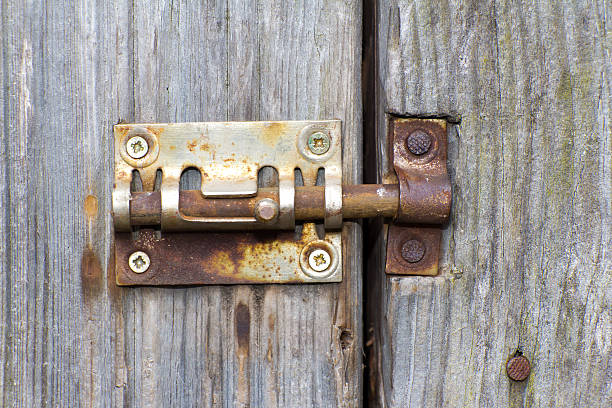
(243, 327)
(271, 322)
(242, 318)
(269, 353)
(91, 275)
(91, 206)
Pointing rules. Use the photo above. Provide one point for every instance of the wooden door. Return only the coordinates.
(70, 336)
(525, 260)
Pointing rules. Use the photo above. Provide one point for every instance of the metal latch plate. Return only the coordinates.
(208, 258)
(228, 156)
(419, 152)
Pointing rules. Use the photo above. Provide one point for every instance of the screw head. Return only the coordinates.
(139, 262)
(266, 210)
(319, 143)
(418, 142)
(137, 147)
(319, 260)
(413, 250)
(518, 368)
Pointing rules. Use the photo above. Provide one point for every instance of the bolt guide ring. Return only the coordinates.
(238, 228)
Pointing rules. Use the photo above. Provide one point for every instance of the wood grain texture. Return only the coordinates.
(68, 335)
(65, 82)
(526, 258)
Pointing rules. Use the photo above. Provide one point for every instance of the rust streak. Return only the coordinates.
(272, 131)
(122, 129)
(157, 131)
(243, 327)
(91, 275)
(243, 333)
(192, 145)
(91, 206)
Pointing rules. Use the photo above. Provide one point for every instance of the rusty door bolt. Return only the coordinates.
(518, 367)
(319, 260)
(418, 142)
(139, 262)
(413, 250)
(137, 147)
(319, 143)
(266, 210)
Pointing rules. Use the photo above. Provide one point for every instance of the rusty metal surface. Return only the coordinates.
(419, 152)
(398, 238)
(358, 201)
(228, 156)
(205, 258)
(425, 191)
(518, 367)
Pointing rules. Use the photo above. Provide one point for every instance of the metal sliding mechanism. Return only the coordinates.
(270, 202)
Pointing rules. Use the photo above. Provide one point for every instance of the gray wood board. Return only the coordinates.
(68, 335)
(526, 258)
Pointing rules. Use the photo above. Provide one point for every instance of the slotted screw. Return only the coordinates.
(418, 142)
(139, 262)
(137, 147)
(319, 143)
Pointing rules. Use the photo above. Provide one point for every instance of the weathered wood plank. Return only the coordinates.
(64, 76)
(527, 254)
(70, 337)
(241, 346)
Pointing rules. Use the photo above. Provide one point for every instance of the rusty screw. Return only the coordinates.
(266, 210)
(319, 260)
(137, 147)
(418, 142)
(139, 262)
(518, 367)
(319, 143)
(413, 250)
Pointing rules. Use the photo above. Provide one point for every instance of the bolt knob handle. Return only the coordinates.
(266, 210)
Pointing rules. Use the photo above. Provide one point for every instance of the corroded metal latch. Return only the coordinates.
(418, 149)
(268, 208)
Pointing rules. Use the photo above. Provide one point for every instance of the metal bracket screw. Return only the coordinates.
(413, 251)
(319, 143)
(137, 147)
(319, 260)
(418, 142)
(139, 262)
